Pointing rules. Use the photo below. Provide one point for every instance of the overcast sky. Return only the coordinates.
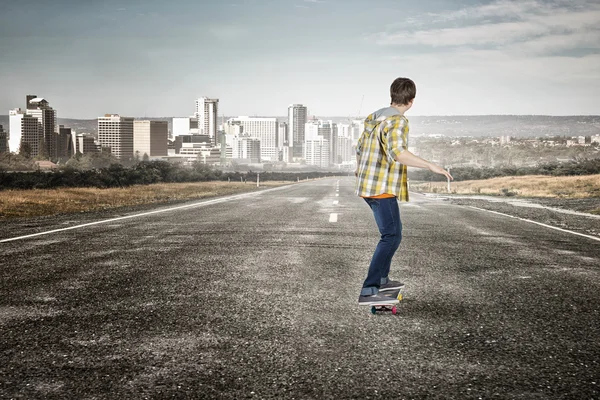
(155, 57)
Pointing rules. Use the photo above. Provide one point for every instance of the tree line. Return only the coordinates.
(580, 167)
(141, 173)
(102, 171)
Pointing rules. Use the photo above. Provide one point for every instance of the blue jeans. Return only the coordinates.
(387, 217)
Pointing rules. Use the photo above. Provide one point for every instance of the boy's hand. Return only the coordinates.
(439, 170)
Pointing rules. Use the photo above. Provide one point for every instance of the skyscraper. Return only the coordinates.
(329, 131)
(64, 142)
(283, 146)
(24, 132)
(206, 113)
(39, 108)
(316, 152)
(150, 138)
(3, 140)
(296, 120)
(116, 132)
(264, 129)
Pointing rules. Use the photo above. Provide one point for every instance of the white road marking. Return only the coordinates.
(333, 217)
(337, 195)
(335, 202)
(199, 204)
(539, 223)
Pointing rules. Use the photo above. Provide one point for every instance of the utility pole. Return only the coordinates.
(448, 169)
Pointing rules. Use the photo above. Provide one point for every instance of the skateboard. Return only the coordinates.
(392, 294)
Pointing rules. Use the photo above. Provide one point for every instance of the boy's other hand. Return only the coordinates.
(439, 170)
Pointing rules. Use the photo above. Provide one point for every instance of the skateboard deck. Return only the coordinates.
(393, 295)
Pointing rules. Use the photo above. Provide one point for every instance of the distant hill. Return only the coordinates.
(470, 125)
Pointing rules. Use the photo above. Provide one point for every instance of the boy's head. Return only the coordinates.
(403, 91)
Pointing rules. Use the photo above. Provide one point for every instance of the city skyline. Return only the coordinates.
(258, 56)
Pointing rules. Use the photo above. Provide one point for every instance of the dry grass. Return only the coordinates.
(575, 187)
(36, 203)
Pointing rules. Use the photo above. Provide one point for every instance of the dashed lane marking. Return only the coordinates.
(335, 202)
(539, 223)
(333, 217)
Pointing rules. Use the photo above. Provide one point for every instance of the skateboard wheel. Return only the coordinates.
(394, 310)
(400, 296)
(373, 310)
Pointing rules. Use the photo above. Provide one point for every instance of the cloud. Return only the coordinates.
(529, 26)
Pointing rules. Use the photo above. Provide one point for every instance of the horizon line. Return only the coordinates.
(354, 118)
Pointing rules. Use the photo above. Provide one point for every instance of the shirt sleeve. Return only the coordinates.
(396, 140)
(359, 145)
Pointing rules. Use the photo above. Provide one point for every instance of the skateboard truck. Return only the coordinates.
(396, 294)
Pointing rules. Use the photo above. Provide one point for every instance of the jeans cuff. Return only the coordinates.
(369, 291)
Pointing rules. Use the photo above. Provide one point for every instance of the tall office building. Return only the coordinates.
(316, 147)
(356, 128)
(116, 132)
(150, 138)
(316, 152)
(64, 142)
(345, 149)
(86, 143)
(249, 149)
(23, 129)
(185, 126)
(316, 130)
(3, 140)
(284, 147)
(264, 129)
(297, 114)
(39, 108)
(206, 113)
(329, 131)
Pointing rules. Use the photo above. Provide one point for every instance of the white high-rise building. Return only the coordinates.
(316, 130)
(150, 138)
(116, 132)
(316, 152)
(23, 128)
(206, 113)
(311, 130)
(264, 129)
(357, 128)
(185, 126)
(344, 150)
(297, 115)
(344, 130)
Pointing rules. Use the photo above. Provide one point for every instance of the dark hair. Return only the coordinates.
(402, 91)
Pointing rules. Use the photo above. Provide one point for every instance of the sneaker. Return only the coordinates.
(391, 285)
(376, 299)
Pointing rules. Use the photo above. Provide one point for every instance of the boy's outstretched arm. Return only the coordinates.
(410, 160)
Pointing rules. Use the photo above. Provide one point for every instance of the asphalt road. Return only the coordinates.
(256, 297)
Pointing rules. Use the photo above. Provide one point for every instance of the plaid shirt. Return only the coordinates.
(378, 172)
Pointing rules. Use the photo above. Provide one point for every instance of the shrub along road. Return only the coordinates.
(255, 297)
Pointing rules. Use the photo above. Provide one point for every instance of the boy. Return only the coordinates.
(382, 157)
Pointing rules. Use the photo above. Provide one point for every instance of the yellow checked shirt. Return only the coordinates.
(385, 137)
